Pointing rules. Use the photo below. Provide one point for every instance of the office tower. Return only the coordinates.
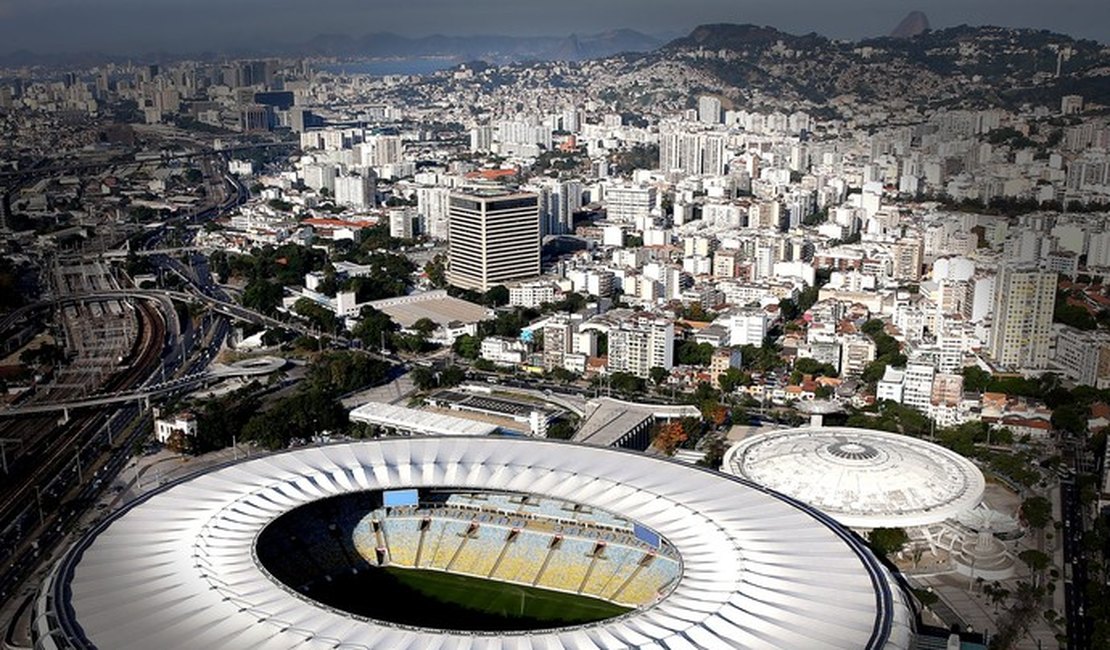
(709, 110)
(382, 150)
(558, 201)
(494, 238)
(1024, 298)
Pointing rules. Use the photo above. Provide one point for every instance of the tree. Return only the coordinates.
(692, 353)
(626, 383)
(886, 541)
(317, 314)
(178, 442)
(670, 436)
(375, 328)
(425, 326)
(467, 346)
(976, 379)
(1071, 418)
(436, 270)
(731, 379)
(496, 296)
(1035, 560)
(659, 375)
(262, 296)
(1037, 511)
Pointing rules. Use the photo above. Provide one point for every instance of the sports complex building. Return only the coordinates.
(868, 479)
(475, 543)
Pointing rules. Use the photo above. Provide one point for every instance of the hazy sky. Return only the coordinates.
(125, 26)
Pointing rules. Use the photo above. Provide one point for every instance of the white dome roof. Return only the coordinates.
(862, 478)
(177, 568)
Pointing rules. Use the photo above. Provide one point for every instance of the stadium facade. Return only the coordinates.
(867, 479)
(180, 566)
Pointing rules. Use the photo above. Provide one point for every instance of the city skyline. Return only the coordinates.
(129, 27)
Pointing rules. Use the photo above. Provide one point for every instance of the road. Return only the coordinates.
(1075, 589)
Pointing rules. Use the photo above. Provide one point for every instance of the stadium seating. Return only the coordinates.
(567, 565)
(494, 537)
(478, 552)
(613, 567)
(523, 558)
(402, 536)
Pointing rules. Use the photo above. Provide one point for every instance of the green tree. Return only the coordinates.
(375, 328)
(262, 296)
(467, 346)
(626, 383)
(659, 375)
(1037, 511)
(425, 326)
(887, 541)
(692, 353)
(497, 296)
(976, 379)
(731, 379)
(1035, 560)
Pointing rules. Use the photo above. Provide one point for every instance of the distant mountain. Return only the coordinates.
(492, 48)
(488, 47)
(725, 36)
(1006, 67)
(912, 25)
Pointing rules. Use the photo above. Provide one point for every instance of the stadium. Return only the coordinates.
(468, 543)
(868, 479)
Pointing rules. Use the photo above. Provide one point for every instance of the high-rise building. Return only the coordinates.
(709, 110)
(481, 139)
(1024, 299)
(682, 153)
(256, 118)
(433, 203)
(907, 254)
(320, 176)
(640, 343)
(383, 150)
(558, 341)
(494, 238)
(356, 191)
(626, 203)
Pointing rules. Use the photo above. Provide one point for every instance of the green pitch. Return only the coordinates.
(500, 600)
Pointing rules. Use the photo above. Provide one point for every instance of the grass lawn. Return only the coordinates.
(503, 600)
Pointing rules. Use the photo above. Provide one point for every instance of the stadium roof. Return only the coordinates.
(176, 568)
(863, 478)
(424, 423)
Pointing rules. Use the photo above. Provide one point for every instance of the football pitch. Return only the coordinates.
(435, 599)
(506, 600)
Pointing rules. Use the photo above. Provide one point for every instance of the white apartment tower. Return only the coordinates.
(358, 191)
(494, 238)
(641, 343)
(1024, 298)
(709, 110)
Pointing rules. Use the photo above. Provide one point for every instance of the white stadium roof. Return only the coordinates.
(862, 478)
(177, 569)
(426, 423)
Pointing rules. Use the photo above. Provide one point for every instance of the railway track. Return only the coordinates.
(54, 460)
